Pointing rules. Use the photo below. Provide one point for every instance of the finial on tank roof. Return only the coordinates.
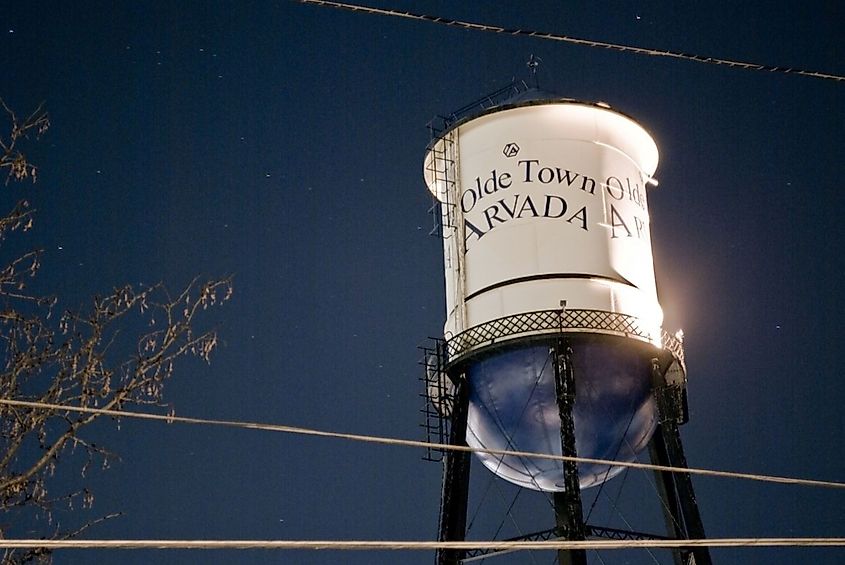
(533, 64)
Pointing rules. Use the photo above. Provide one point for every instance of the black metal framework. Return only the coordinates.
(440, 165)
(439, 124)
(438, 397)
(557, 321)
(456, 467)
(681, 513)
(441, 357)
(590, 532)
(568, 512)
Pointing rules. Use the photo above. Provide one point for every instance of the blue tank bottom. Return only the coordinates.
(513, 406)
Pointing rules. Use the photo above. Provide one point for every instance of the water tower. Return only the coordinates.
(553, 340)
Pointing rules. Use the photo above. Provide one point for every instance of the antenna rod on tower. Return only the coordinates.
(532, 64)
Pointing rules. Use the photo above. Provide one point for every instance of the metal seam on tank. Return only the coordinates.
(459, 229)
(510, 444)
(494, 413)
(500, 459)
(551, 276)
(628, 157)
(595, 476)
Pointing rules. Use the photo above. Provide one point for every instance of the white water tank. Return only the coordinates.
(546, 234)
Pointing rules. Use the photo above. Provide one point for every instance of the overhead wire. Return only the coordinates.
(573, 40)
(373, 545)
(172, 418)
(427, 545)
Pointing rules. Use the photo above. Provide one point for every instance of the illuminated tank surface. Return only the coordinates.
(513, 406)
(543, 203)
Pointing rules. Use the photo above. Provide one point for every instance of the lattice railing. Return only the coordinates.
(552, 321)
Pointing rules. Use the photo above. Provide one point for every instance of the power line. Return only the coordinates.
(372, 545)
(415, 443)
(574, 40)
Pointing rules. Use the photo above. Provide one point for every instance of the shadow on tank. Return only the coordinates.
(513, 406)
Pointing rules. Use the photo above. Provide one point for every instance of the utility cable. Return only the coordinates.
(170, 418)
(574, 40)
(623, 440)
(374, 545)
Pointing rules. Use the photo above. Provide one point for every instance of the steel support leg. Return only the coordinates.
(680, 507)
(668, 497)
(568, 513)
(456, 464)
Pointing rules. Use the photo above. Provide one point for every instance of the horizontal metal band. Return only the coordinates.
(556, 321)
(551, 276)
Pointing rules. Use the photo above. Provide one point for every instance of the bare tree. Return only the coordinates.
(11, 155)
(88, 359)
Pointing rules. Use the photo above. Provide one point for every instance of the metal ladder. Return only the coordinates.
(437, 395)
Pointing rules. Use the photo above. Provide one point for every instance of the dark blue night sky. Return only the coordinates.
(283, 143)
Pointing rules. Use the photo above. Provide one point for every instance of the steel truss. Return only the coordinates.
(681, 512)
